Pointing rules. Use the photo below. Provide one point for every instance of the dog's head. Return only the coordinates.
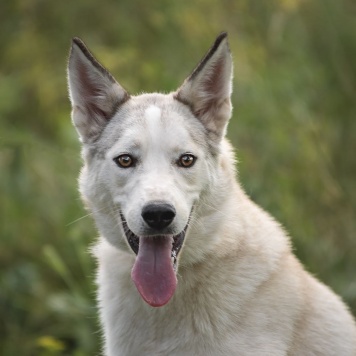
(148, 159)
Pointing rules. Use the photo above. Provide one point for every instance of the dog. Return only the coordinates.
(187, 263)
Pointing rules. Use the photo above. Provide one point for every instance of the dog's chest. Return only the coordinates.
(166, 331)
(179, 328)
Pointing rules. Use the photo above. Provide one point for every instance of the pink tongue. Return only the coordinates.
(153, 272)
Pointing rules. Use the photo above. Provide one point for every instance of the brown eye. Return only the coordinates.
(187, 160)
(124, 161)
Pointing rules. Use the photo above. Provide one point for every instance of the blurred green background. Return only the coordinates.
(294, 127)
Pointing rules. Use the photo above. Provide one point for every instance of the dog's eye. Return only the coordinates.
(124, 161)
(186, 160)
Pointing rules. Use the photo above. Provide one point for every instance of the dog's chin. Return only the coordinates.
(134, 240)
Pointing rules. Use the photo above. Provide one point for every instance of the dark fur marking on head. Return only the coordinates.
(94, 138)
(183, 101)
(210, 135)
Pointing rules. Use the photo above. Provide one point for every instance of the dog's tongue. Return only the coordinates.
(153, 272)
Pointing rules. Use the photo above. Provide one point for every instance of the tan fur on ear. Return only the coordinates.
(94, 93)
(208, 89)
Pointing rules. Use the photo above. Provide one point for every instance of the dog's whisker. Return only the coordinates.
(81, 218)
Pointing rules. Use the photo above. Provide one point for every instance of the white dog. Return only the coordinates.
(188, 264)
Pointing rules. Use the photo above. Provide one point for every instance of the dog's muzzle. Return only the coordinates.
(134, 240)
(154, 271)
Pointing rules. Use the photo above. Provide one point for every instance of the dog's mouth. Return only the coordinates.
(154, 271)
(134, 240)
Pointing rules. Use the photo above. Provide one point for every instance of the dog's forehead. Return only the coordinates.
(154, 115)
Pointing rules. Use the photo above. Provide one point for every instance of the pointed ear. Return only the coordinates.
(208, 89)
(94, 93)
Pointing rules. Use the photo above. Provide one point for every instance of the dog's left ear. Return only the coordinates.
(208, 89)
(94, 93)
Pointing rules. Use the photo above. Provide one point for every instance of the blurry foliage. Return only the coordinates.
(294, 126)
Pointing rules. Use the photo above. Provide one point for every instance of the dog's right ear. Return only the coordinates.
(94, 93)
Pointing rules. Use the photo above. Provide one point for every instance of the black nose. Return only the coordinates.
(158, 215)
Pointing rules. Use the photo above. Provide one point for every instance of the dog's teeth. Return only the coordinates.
(174, 259)
(174, 262)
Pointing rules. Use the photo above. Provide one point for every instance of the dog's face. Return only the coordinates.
(147, 168)
(148, 159)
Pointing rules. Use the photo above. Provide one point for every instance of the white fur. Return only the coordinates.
(153, 116)
(241, 291)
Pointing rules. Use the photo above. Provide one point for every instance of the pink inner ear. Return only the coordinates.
(212, 89)
(213, 85)
(89, 90)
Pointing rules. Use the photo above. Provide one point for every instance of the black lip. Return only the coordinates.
(134, 240)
